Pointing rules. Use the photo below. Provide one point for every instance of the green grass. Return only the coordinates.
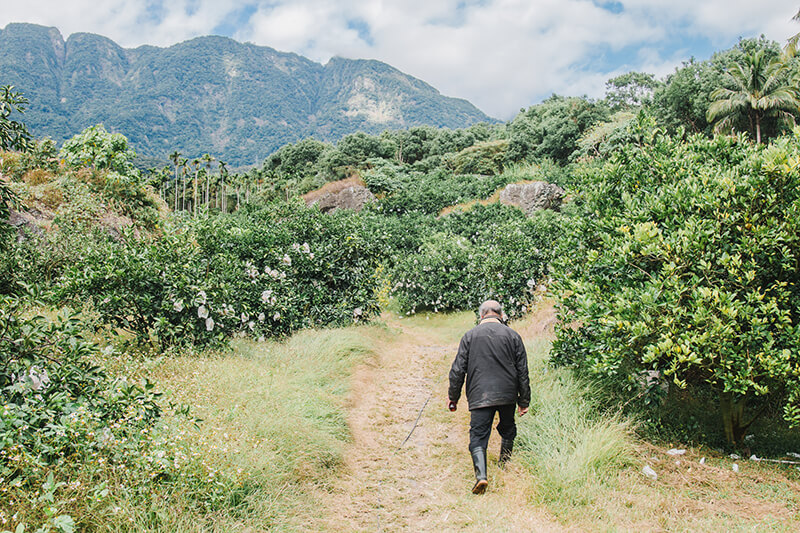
(273, 431)
(446, 328)
(569, 447)
(280, 409)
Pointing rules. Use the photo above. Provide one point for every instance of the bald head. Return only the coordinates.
(490, 307)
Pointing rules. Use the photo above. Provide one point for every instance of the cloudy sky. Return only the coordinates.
(499, 54)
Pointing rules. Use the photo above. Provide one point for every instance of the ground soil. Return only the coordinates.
(422, 483)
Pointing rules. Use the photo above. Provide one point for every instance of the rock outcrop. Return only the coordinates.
(25, 224)
(533, 196)
(349, 198)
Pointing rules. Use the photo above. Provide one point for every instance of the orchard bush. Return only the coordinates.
(58, 406)
(684, 260)
(264, 271)
(53, 393)
(487, 252)
(405, 191)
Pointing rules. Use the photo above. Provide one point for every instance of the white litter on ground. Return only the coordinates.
(649, 472)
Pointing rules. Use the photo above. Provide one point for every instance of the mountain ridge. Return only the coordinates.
(239, 101)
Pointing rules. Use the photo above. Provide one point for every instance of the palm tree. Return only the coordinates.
(223, 172)
(792, 44)
(175, 156)
(196, 165)
(759, 91)
(184, 171)
(207, 159)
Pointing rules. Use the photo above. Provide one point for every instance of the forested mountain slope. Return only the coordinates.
(238, 100)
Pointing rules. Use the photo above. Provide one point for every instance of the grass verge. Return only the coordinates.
(273, 420)
(571, 449)
(272, 427)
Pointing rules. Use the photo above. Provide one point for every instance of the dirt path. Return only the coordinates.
(423, 485)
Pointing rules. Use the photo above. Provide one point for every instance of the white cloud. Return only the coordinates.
(499, 54)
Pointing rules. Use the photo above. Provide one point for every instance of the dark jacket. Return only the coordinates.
(493, 359)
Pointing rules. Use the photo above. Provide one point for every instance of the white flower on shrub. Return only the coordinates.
(177, 306)
(261, 317)
(296, 247)
(251, 325)
(37, 380)
(266, 295)
(245, 317)
(201, 297)
(357, 312)
(251, 270)
(209, 324)
(306, 248)
(105, 437)
(287, 260)
(202, 312)
(276, 316)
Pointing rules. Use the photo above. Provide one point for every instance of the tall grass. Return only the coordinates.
(572, 450)
(273, 428)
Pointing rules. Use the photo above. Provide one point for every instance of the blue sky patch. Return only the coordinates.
(612, 7)
(235, 20)
(362, 28)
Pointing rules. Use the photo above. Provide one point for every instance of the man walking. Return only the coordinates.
(492, 358)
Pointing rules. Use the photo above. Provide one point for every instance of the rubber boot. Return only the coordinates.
(506, 446)
(479, 462)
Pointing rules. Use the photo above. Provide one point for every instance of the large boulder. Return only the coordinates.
(354, 198)
(533, 196)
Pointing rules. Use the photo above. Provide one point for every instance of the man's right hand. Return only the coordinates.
(522, 410)
(452, 405)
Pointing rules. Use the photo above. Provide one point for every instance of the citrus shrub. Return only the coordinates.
(684, 260)
(59, 407)
(261, 272)
(488, 252)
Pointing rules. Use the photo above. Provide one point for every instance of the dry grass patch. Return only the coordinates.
(690, 496)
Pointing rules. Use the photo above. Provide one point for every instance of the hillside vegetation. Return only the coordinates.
(182, 347)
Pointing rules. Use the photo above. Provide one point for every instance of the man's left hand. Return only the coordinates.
(522, 410)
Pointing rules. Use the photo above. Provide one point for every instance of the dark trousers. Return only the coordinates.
(480, 424)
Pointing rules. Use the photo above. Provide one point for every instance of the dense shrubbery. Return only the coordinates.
(487, 252)
(262, 272)
(53, 395)
(684, 261)
(60, 410)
